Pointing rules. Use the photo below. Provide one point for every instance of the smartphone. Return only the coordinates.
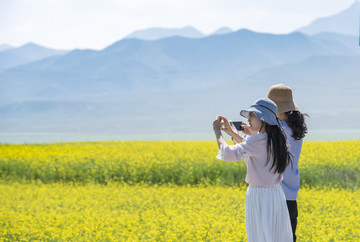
(237, 125)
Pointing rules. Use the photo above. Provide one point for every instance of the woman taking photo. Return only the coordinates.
(266, 156)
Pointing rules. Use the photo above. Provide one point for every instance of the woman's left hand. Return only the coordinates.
(216, 124)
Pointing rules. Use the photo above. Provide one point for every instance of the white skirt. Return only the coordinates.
(266, 215)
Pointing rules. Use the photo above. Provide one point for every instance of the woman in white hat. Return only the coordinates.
(293, 124)
(266, 156)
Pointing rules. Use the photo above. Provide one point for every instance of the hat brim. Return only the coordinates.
(258, 114)
(286, 106)
(269, 118)
(245, 113)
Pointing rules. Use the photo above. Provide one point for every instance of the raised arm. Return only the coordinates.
(230, 129)
(217, 129)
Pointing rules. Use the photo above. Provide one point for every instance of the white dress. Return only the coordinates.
(266, 213)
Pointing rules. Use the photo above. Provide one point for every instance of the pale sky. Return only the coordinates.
(95, 24)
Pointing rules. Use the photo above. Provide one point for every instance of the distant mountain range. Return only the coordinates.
(5, 47)
(346, 22)
(166, 64)
(11, 57)
(161, 33)
(223, 30)
(177, 85)
(350, 42)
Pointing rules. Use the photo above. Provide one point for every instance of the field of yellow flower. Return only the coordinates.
(162, 191)
(122, 212)
(179, 163)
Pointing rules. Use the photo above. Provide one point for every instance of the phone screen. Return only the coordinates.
(237, 125)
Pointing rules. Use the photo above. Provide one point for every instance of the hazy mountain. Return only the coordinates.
(132, 65)
(317, 72)
(160, 33)
(177, 85)
(223, 30)
(324, 87)
(346, 22)
(5, 47)
(350, 42)
(25, 54)
(327, 86)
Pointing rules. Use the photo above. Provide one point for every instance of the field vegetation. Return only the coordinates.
(162, 191)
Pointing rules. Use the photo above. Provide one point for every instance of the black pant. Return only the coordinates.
(293, 212)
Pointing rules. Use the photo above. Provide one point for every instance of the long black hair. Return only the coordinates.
(277, 148)
(296, 122)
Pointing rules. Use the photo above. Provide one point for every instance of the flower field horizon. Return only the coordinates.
(331, 163)
(162, 191)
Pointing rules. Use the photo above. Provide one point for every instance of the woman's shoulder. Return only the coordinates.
(285, 127)
(288, 132)
(258, 137)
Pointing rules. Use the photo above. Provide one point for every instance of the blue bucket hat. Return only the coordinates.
(264, 109)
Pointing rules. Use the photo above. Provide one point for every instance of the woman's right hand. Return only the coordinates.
(246, 128)
(233, 128)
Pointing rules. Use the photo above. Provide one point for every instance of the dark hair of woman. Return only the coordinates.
(277, 148)
(296, 122)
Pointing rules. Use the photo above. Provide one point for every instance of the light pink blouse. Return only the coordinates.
(253, 150)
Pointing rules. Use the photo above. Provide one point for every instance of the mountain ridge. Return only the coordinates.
(339, 23)
(24, 54)
(171, 63)
(160, 33)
